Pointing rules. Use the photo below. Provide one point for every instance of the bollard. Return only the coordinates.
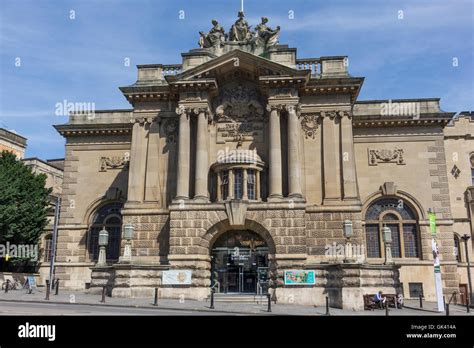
(386, 308)
(103, 294)
(155, 303)
(327, 305)
(421, 301)
(47, 290)
(467, 306)
(7, 285)
(269, 308)
(447, 309)
(57, 287)
(212, 299)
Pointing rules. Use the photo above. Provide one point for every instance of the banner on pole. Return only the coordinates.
(436, 262)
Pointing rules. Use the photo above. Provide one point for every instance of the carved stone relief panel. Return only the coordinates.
(113, 162)
(239, 115)
(386, 156)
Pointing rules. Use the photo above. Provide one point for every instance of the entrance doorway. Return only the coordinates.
(240, 263)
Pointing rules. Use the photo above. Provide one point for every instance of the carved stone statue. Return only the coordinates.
(215, 37)
(240, 31)
(266, 35)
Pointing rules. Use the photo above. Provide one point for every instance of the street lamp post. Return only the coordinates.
(387, 238)
(128, 230)
(466, 238)
(348, 232)
(103, 242)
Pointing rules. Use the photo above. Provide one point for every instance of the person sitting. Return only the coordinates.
(399, 301)
(380, 300)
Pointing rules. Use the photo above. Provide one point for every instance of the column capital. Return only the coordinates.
(181, 109)
(332, 114)
(293, 108)
(144, 120)
(277, 107)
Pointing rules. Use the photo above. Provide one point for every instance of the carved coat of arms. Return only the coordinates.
(239, 103)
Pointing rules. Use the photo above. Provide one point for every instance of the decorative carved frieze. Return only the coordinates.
(113, 162)
(386, 156)
(309, 124)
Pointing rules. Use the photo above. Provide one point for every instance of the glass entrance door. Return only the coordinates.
(239, 262)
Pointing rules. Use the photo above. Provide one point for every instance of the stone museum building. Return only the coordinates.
(246, 167)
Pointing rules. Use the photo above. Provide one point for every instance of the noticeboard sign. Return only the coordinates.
(177, 277)
(299, 277)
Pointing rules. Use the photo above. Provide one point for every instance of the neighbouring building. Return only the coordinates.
(246, 166)
(12, 142)
(53, 169)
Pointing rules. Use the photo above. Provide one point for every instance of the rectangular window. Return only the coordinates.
(238, 179)
(224, 185)
(411, 242)
(396, 250)
(251, 184)
(47, 249)
(373, 240)
(472, 176)
(416, 289)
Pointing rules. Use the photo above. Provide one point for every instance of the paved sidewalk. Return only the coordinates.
(77, 297)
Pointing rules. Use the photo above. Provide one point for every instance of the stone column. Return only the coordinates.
(219, 183)
(275, 174)
(294, 165)
(257, 185)
(330, 157)
(244, 185)
(202, 156)
(184, 144)
(136, 178)
(350, 190)
(231, 184)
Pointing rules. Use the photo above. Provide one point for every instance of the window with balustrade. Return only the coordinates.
(239, 177)
(402, 220)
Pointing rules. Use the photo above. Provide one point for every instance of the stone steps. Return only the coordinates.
(239, 298)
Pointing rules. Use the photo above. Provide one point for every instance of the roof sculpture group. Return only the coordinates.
(263, 36)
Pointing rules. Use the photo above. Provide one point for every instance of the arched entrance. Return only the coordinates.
(239, 262)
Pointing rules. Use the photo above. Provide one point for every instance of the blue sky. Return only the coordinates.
(82, 59)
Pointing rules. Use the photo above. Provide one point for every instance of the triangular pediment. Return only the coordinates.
(238, 60)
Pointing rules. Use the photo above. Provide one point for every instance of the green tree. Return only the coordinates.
(24, 202)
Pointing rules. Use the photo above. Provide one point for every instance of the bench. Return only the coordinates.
(369, 302)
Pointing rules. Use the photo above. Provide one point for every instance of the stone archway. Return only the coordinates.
(242, 260)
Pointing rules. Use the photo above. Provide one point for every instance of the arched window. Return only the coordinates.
(402, 221)
(457, 248)
(472, 169)
(48, 243)
(109, 217)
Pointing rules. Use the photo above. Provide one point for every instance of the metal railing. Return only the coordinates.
(216, 283)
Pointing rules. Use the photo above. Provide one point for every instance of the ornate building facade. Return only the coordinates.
(245, 165)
